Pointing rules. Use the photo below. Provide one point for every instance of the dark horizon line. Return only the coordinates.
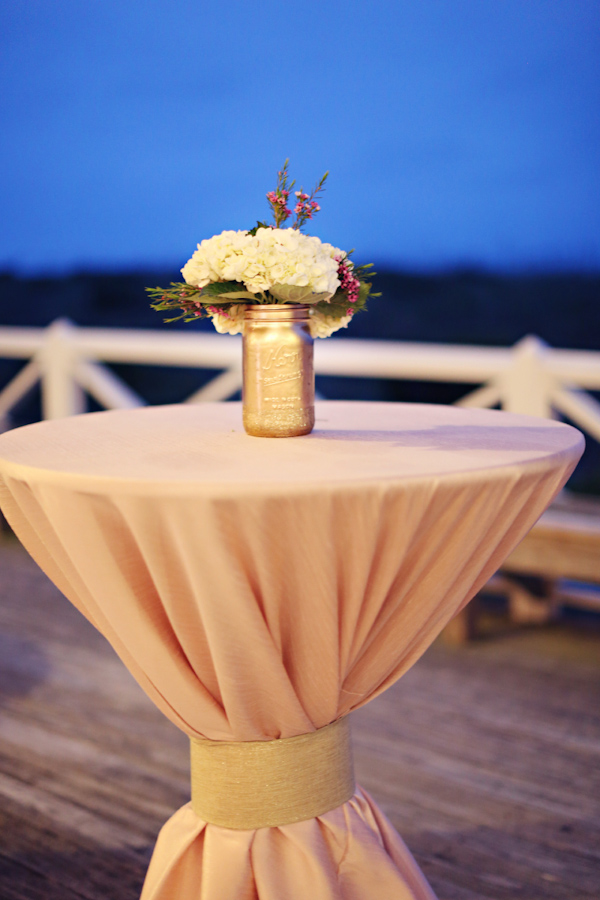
(381, 268)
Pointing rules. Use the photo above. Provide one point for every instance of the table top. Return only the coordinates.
(204, 447)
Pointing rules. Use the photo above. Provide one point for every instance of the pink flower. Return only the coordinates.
(348, 282)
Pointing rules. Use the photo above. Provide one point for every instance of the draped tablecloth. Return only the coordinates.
(260, 588)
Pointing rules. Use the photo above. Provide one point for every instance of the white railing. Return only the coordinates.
(69, 362)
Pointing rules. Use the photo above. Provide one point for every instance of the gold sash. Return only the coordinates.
(259, 784)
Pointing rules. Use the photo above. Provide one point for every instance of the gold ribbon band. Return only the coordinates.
(260, 784)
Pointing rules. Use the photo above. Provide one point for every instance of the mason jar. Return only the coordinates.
(278, 392)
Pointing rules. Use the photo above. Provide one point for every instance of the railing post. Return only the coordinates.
(526, 386)
(61, 394)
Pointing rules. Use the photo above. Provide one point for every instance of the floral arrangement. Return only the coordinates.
(270, 264)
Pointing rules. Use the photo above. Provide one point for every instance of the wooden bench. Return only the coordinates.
(556, 564)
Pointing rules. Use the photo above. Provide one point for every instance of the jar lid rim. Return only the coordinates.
(277, 310)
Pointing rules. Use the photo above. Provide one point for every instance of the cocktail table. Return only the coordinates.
(261, 589)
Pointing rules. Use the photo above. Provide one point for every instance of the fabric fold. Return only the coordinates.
(350, 853)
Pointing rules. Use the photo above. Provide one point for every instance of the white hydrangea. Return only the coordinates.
(230, 321)
(322, 326)
(273, 258)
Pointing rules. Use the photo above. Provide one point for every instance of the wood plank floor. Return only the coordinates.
(485, 758)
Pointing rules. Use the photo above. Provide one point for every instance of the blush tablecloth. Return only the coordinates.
(260, 589)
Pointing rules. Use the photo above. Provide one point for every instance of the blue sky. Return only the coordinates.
(456, 132)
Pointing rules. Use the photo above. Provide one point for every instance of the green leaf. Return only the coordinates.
(363, 292)
(257, 226)
(235, 295)
(295, 293)
(220, 287)
(225, 290)
(339, 303)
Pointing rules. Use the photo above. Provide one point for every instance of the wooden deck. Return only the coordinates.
(486, 759)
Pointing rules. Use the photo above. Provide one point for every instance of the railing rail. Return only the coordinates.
(69, 362)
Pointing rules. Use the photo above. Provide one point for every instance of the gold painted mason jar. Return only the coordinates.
(278, 391)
